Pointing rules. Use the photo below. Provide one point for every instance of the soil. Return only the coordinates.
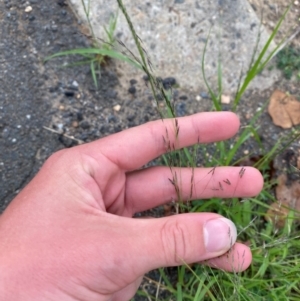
(44, 108)
(270, 13)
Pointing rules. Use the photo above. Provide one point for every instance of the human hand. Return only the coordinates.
(69, 235)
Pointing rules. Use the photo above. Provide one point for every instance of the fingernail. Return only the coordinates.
(219, 235)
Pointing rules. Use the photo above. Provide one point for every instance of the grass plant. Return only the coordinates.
(275, 272)
(101, 51)
(288, 61)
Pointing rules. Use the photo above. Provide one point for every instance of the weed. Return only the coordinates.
(101, 50)
(288, 61)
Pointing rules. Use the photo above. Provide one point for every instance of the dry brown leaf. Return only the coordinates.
(288, 198)
(278, 213)
(284, 109)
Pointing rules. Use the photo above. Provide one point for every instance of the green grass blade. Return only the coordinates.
(211, 93)
(94, 76)
(259, 64)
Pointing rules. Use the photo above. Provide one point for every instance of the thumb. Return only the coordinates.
(185, 238)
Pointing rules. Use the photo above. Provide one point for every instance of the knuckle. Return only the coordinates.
(57, 156)
(174, 241)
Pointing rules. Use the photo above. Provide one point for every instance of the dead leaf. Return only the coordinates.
(288, 197)
(284, 109)
(277, 214)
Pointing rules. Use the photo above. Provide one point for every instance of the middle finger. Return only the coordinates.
(151, 187)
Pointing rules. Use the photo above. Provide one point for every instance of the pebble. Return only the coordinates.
(133, 82)
(204, 95)
(61, 107)
(69, 93)
(248, 116)
(117, 108)
(198, 97)
(131, 117)
(60, 126)
(168, 82)
(181, 109)
(75, 84)
(246, 152)
(84, 124)
(112, 118)
(225, 99)
(28, 9)
(132, 90)
(296, 2)
(75, 124)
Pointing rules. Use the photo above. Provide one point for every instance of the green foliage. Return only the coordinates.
(288, 61)
(101, 51)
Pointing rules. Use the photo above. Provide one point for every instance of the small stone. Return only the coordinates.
(28, 9)
(133, 82)
(204, 95)
(248, 116)
(132, 90)
(14, 140)
(69, 93)
(131, 117)
(168, 82)
(112, 118)
(28, 116)
(60, 126)
(61, 3)
(85, 124)
(198, 97)
(117, 108)
(75, 124)
(61, 107)
(246, 152)
(181, 109)
(296, 2)
(225, 99)
(75, 84)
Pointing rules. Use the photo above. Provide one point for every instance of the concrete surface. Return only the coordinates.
(174, 33)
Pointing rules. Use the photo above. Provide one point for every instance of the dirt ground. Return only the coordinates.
(43, 105)
(271, 11)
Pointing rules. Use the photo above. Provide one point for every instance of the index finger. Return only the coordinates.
(133, 148)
